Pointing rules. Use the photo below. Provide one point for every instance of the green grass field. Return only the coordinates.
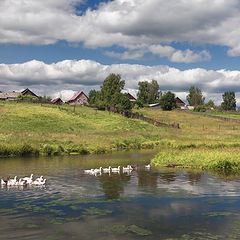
(52, 130)
(27, 128)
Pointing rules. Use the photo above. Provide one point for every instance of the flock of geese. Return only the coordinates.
(23, 181)
(109, 170)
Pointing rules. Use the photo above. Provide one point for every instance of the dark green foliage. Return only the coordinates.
(111, 85)
(229, 101)
(25, 98)
(121, 102)
(44, 99)
(94, 96)
(195, 97)
(148, 92)
(210, 104)
(168, 101)
(110, 95)
(200, 108)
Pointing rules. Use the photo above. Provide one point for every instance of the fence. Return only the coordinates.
(149, 120)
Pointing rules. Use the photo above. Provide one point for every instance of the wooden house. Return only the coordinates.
(80, 98)
(57, 101)
(179, 102)
(131, 97)
(11, 96)
(27, 91)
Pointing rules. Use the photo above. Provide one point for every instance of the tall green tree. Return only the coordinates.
(168, 101)
(111, 85)
(210, 104)
(229, 101)
(195, 97)
(94, 96)
(121, 102)
(148, 92)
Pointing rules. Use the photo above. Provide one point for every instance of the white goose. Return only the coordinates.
(128, 168)
(91, 171)
(12, 182)
(38, 183)
(21, 182)
(107, 170)
(3, 182)
(28, 179)
(98, 170)
(116, 169)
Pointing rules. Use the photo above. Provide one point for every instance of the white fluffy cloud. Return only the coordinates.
(125, 23)
(66, 77)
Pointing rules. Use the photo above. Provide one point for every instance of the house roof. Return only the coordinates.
(76, 95)
(55, 100)
(9, 95)
(179, 100)
(28, 90)
(131, 97)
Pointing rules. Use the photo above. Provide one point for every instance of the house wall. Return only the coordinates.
(80, 100)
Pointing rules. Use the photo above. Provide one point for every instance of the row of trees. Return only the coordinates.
(110, 96)
(196, 99)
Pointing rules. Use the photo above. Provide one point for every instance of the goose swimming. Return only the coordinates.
(28, 179)
(116, 169)
(107, 170)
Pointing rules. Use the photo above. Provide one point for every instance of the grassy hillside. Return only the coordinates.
(196, 128)
(51, 130)
(31, 128)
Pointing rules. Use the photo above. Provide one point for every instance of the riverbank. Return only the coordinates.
(34, 129)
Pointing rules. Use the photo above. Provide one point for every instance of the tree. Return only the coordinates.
(168, 101)
(111, 85)
(148, 92)
(94, 96)
(195, 97)
(229, 101)
(121, 102)
(210, 104)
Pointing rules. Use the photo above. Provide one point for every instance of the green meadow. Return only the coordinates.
(201, 142)
(28, 128)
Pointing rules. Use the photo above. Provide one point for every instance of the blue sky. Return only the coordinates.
(57, 47)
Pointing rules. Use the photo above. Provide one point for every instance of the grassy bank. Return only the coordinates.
(227, 158)
(34, 129)
(49, 130)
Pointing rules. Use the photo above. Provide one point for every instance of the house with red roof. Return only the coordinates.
(57, 101)
(80, 98)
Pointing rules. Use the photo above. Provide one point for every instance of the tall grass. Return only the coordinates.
(200, 158)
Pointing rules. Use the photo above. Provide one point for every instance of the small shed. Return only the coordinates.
(80, 98)
(57, 101)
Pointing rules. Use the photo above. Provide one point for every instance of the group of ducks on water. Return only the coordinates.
(109, 170)
(23, 181)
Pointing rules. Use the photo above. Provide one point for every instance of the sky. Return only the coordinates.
(58, 47)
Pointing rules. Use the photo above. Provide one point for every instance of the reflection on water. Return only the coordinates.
(143, 204)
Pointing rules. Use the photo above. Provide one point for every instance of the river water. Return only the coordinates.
(143, 204)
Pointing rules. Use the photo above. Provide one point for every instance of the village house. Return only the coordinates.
(179, 102)
(131, 97)
(11, 96)
(80, 98)
(57, 101)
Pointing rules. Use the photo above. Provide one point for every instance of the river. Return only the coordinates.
(144, 204)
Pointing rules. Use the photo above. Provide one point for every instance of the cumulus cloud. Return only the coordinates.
(66, 77)
(125, 23)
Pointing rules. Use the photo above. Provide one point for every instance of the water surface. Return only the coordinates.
(143, 204)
